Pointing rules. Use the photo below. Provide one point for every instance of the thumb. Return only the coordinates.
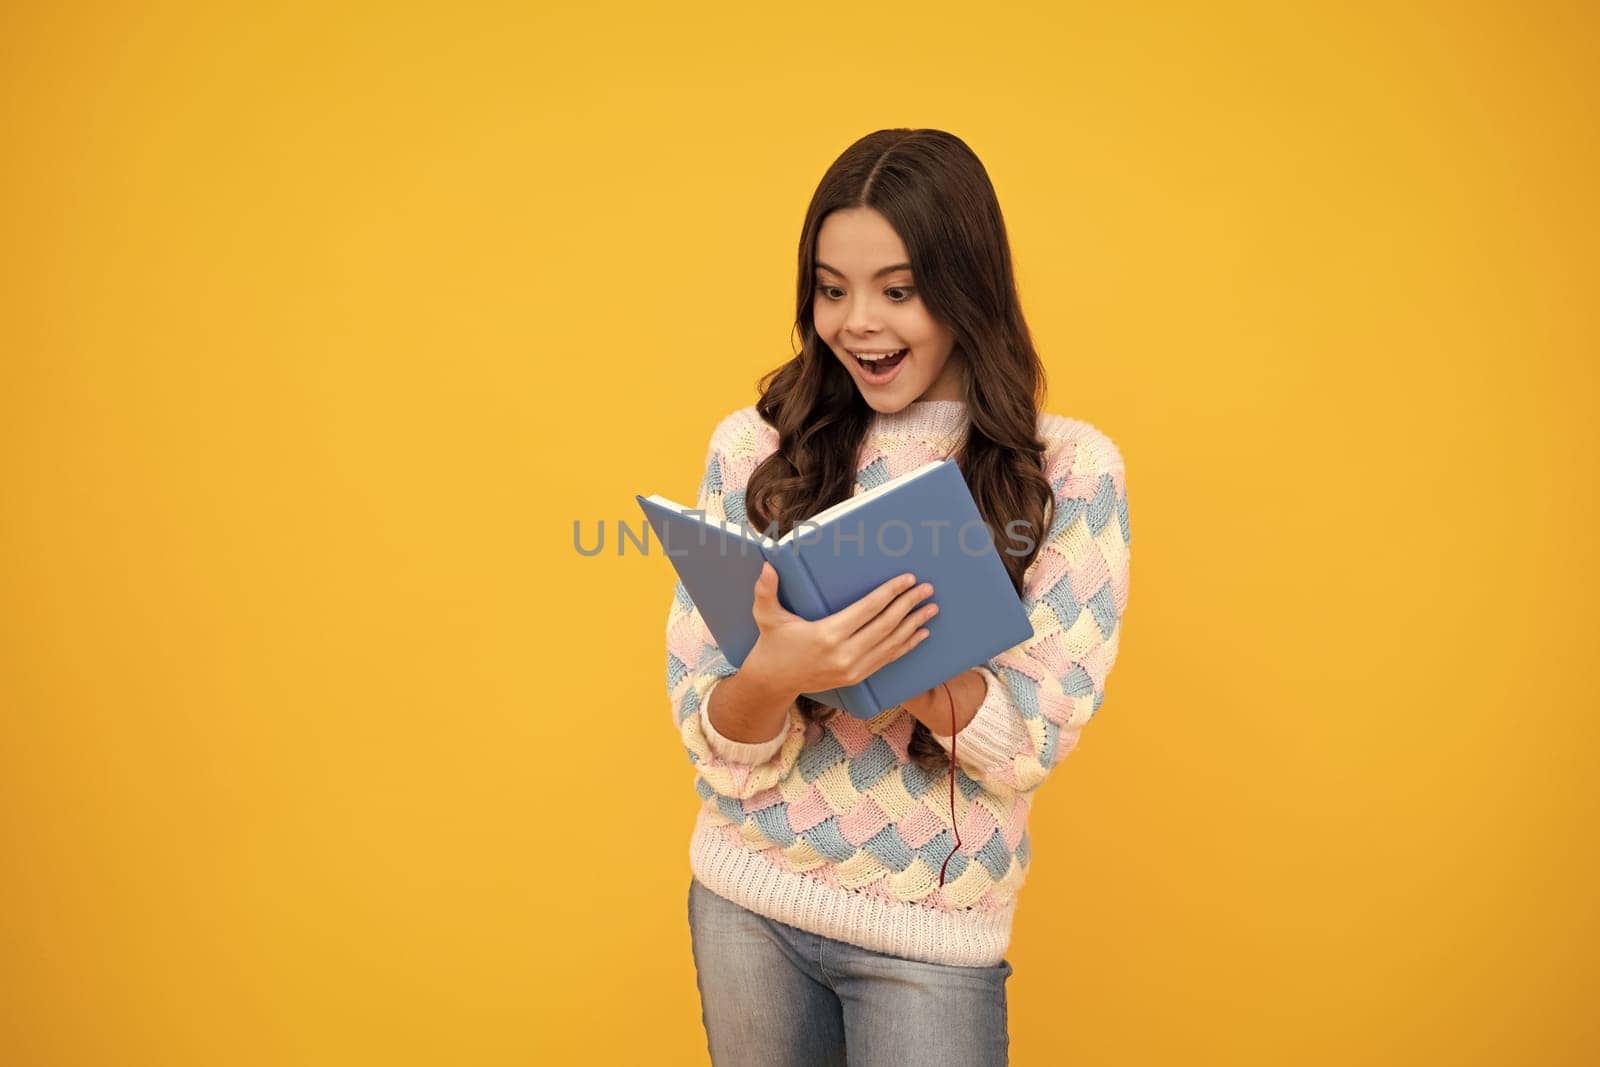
(766, 581)
(767, 589)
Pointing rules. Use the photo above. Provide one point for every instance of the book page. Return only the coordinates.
(744, 533)
(844, 507)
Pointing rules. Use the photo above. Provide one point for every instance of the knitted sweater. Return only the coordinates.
(830, 827)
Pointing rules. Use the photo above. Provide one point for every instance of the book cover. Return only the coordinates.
(924, 522)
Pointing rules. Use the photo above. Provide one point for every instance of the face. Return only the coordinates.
(866, 302)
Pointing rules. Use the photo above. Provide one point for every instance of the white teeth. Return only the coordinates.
(873, 357)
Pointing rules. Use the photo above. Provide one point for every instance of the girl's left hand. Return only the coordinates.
(920, 705)
(933, 708)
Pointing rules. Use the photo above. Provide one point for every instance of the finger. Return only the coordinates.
(916, 638)
(875, 644)
(877, 629)
(911, 631)
(767, 601)
(851, 619)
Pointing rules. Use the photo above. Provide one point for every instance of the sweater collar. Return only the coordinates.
(929, 420)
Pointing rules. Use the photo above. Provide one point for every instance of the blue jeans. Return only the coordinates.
(773, 995)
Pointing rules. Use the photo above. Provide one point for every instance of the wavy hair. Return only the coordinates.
(935, 193)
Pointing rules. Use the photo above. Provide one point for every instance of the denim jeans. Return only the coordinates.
(772, 995)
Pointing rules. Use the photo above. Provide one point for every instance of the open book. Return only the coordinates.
(924, 522)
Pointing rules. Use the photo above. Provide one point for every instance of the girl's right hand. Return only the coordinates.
(793, 655)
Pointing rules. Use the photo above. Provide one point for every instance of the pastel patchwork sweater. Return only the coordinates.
(830, 827)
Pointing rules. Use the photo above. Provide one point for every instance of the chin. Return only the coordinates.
(885, 406)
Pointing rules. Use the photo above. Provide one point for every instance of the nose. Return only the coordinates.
(859, 320)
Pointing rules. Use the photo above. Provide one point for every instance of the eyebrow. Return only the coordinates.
(886, 270)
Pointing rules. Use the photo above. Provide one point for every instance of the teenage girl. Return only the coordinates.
(854, 881)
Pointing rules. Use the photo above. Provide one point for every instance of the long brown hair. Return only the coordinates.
(936, 194)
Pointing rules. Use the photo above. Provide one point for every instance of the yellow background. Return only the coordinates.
(321, 744)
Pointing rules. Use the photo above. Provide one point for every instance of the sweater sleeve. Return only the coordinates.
(738, 751)
(694, 662)
(1044, 691)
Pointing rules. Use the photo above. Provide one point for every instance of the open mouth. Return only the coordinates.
(880, 369)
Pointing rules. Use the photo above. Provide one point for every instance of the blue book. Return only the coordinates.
(924, 522)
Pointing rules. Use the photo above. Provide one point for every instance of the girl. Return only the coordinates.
(854, 881)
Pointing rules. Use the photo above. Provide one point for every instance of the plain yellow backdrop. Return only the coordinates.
(320, 328)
